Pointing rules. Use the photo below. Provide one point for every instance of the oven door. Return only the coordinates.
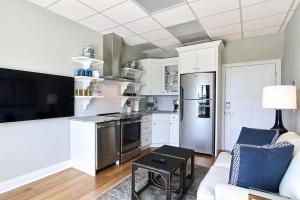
(130, 134)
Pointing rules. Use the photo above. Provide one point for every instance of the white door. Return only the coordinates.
(161, 132)
(243, 99)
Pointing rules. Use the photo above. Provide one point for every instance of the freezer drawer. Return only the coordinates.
(107, 144)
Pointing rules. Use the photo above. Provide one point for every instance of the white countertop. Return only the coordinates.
(94, 119)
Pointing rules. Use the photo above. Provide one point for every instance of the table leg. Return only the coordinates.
(192, 167)
(182, 178)
(167, 178)
(133, 193)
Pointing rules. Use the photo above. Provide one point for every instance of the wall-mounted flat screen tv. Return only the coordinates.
(31, 96)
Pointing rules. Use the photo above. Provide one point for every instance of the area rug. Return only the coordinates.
(122, 191)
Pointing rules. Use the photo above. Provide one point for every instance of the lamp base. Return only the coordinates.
(278, 123)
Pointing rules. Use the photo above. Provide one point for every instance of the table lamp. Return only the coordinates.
(279, 97)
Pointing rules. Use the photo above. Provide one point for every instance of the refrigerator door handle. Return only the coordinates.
(181, 110)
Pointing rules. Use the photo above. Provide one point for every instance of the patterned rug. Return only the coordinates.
(122, 191)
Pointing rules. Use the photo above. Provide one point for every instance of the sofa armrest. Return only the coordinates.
(230, 192)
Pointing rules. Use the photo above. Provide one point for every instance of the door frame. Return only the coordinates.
(277, 63)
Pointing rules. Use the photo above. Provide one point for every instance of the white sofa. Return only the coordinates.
(215, 184)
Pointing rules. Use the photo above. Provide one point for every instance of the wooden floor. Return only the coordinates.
(72, 184)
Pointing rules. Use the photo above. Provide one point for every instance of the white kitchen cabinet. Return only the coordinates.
(174, 132)
(146, 131)
(160, 129)
(199, 58)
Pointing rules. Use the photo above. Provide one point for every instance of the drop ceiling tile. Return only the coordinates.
(172, 48)
(143, 25)
(224, 19)
(228, 38)
(146, 46)
(265, 9)
(71, 9)
(186, 28)
(295, 5)
(166, 42)
(125, 12)
(101, 5)
(157, 5)
(206, 8)
(193, 37)
(156, 35)
(43, 3)
(153, 51)
(98, 22)
(134, 40)
(265, 31)
(250, 2)
(233, 29)
(175, 16)
(121, 31)
(275, 20)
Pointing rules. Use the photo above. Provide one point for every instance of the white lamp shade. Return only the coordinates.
(279, 97)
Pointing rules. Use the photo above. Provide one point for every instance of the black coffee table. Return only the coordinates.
(150, 163)
(184, 154)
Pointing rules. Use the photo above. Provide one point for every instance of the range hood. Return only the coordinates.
(112, 56)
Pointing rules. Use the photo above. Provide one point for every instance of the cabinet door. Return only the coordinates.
(145, 79)
(161, 132)
(206, 60)
(188, 62)
(155, 82)
(174, 133)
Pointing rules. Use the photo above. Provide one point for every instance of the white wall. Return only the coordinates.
(291, 69)
(33, 39)
(253, 49)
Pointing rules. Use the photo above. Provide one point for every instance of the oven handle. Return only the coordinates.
(131, 122)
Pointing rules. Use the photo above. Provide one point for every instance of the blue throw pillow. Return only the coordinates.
(257, 137)
(260, 167)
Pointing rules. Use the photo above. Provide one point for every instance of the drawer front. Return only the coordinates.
(146, 140)
(161, 117)
(146, 127)
(147, 118)
(174, 117)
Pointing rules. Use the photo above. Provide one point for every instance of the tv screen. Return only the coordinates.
(30, 96)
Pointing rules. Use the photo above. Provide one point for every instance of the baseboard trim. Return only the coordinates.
(33, 176)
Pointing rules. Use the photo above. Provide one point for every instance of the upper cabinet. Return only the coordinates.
(160, 76)
(199, 58)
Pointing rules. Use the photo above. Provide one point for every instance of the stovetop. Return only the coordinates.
(122, 116)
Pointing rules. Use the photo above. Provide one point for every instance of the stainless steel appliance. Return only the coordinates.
(107, 144)
(130, 135)
(197, 112)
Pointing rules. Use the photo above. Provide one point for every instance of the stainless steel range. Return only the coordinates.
(130, 135)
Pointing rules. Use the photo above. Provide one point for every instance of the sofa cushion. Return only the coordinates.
(290, 184)
(230, 192)
(223, 160)
(257, 137)
(292, 138)
(260, 167)
(206, 190)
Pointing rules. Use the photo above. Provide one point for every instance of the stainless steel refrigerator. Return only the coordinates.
(197, 112)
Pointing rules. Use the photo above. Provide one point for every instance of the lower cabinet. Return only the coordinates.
(160, 132)
(174, 133)
(146, 131)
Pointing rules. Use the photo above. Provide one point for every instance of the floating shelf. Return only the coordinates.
(124, 85)
(86, 61)
(84, 78)
(133, 73)
(86, 100)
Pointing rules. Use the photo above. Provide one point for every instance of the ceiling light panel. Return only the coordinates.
(166, 42)
(225, 30)
(186, 39)
(153, 51)
(224, 19)
(143, 25)
(121, 31)
(101, 5)
(156, 35)
(275, 20)
(98, 22)
(125, 12)
(71, 9)
(43, 3)
(265, 9)
(156, 5)
(175, 16)
(134, 40)
(186, 28)
(205, 8)
(260, 32)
